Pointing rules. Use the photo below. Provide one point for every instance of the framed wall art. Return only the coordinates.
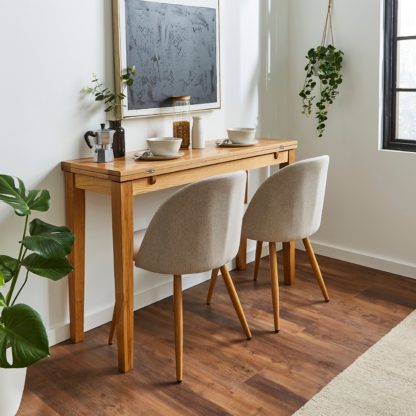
(175, 47)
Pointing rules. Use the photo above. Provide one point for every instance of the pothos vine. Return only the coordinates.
(324, 67)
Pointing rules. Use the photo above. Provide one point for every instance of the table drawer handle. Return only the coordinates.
(152, 180)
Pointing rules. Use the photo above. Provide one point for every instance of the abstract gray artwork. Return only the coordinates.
(174, 48)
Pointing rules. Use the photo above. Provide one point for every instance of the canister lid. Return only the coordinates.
(181, 98)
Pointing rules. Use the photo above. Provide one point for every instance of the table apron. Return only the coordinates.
(91, 183)
(170, 180)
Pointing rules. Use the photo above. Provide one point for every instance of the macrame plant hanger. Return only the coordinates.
(328, 32)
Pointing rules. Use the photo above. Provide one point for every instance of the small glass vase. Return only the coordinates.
(119, 143)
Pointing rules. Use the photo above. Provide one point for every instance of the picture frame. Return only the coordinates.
(175, 47)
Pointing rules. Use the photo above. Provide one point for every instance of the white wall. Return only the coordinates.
(274, 67)
(369, 214)
(48, 53)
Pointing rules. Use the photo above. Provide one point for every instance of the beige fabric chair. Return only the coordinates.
(195, 230)
(288, 206)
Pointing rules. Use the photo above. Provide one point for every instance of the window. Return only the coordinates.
(399, 115)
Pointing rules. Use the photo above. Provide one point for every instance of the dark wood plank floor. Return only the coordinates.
(224, 374)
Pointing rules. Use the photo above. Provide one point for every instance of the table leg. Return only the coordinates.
(246, 191)
(241, 260)
(122, 211)
(289, 262)
(75, 220)
(289, 247)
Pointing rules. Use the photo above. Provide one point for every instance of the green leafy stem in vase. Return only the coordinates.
(42, 251)
(324, 66)
(111, 100)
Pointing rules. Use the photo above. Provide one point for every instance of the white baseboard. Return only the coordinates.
(363, 259)
(142, 299)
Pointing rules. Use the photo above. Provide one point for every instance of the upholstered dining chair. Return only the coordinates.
(197, 229)
(287, 207)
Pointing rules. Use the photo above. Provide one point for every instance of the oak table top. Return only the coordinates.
(125, 169)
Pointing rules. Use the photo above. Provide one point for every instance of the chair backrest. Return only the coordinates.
(197, 229)
(288, 206)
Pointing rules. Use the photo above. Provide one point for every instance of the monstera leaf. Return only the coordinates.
(13, 193)
(53, 269)
(8, 267)
(22, 330)
(49, 241)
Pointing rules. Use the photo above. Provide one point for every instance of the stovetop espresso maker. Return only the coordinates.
(102, 143)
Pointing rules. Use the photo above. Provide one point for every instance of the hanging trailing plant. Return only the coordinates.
(324, 68)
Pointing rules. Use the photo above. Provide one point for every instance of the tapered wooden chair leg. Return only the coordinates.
(275, 284)
(259, 248)
(235, 300)
(177, 301)
(113, 327)
(212, 285)
(315, 267)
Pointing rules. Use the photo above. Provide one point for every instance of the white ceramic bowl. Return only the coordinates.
(241, 135)
(164, 146)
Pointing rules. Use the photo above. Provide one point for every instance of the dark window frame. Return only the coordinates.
(390, 141)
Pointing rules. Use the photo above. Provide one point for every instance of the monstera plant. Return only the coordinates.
(42, 251)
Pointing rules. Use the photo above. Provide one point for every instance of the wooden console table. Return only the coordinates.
(125, 178)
